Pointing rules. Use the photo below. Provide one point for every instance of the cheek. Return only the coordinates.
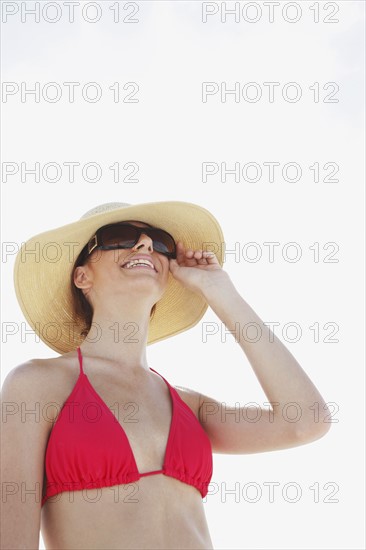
(166, 269)
(104, 268)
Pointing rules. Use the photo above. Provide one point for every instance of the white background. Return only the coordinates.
(169, 133)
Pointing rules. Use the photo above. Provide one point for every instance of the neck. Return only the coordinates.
(119, 339)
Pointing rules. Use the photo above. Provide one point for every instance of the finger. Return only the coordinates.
(211, 257)
(185, 257)
(180, 252)
(190, 260)
(200, 257)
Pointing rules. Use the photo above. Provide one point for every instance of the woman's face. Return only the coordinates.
(106, 273)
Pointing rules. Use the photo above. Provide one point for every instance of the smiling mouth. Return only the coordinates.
(142, 264)
(139, 267)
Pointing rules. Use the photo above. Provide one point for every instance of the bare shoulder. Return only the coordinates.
(41, 380)
(37, 371)
(190, 397)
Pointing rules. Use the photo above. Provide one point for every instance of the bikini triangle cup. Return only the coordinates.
(87, 454)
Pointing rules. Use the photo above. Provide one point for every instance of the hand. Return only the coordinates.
(196, 270)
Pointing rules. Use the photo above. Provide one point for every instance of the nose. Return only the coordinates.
(144, 240)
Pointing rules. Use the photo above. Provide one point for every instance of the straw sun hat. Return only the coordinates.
(44, 264)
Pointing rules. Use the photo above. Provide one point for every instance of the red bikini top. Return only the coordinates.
(89, 450)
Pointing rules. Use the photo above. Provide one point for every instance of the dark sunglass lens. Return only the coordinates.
(119, 235)
(126, 236)
(162, 242)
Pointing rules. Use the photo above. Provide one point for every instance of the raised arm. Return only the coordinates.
(294, 399)
(286, 385)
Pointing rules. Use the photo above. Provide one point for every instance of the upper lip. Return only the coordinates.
(140, 257)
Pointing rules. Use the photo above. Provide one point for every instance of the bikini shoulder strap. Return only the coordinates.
(80, 360)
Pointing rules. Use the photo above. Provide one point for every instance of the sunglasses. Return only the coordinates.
(124, 235)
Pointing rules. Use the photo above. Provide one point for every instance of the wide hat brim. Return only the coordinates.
(44, 264)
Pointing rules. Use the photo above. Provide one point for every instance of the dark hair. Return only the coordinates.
(82, 308)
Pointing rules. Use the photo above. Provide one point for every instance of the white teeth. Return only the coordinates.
(132, 263)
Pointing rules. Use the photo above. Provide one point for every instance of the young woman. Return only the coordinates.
(115, 456)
